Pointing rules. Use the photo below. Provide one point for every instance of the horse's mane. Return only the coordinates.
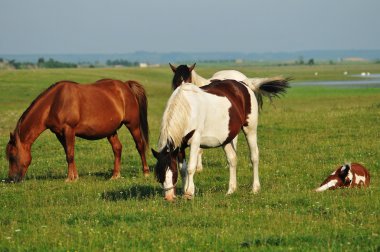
(175, 118)
(36, 100)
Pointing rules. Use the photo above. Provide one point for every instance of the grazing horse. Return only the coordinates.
(91, 112)
(185, 74)
(208, 117)
(347, 175)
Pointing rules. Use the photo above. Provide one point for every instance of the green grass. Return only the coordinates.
(302, 138)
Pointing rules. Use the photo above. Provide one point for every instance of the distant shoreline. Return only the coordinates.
(175, 57)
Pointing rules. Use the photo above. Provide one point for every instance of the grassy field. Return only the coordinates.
(303, 137)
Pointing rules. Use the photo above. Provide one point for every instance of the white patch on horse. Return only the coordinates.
(168, 183)
(359, 179)
(216, 123)
(350, 176)
(326, 186)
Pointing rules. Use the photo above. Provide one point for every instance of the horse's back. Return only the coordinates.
(93, 110)
(228, 74)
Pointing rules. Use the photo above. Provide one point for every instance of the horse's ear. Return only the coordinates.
(173, 68)
(192, 67)
(12, 138)
(186, 138)
(155, 153)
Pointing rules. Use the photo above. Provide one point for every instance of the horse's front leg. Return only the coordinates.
(67, 139)
(117, 150)
(199, 160)
(189, 187)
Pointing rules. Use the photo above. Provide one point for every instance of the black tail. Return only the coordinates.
(269, 87)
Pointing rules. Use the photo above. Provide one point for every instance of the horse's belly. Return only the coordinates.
(211, 142)
(215, 136)
(97, 129)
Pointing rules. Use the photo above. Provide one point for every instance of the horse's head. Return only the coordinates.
(166, 170)
(19, 159)
(182, 74)
(342, 177)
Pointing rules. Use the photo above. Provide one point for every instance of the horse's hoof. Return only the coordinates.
(229, 192)
(114, 177)
(68, 180)
(256, 190)
(170, 198)
(188, 196)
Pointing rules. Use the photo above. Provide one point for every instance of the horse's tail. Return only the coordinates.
(140, 94)
(269, 87)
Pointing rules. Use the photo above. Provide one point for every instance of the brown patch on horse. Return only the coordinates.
(240, 99)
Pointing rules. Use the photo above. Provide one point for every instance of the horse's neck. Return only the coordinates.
(198, 80)
(31, 124)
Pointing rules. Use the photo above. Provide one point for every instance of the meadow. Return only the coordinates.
(302, 138)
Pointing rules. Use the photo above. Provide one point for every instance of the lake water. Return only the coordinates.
(372, 80)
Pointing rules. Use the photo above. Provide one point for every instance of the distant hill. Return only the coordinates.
(179, 57)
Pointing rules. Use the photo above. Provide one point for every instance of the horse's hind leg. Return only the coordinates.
(232, 161)
(140, 146)
(251, 135)
(235, 142)
(117, 149)
(68, 140)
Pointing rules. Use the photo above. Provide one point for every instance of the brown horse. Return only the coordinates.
(91, 112)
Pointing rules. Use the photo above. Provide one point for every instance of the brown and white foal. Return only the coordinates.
(348, 175)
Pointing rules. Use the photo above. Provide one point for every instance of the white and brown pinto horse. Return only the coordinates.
(185, 74)
(208, 117)
(347, 175)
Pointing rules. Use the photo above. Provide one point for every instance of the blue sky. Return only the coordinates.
(122, 26)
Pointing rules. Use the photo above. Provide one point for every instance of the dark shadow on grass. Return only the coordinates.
(63, 177)
(133, 192)
(39, 177)
(105, 175)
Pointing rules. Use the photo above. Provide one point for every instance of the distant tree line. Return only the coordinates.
(42, 63)
(301, 61)
(121, 62)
